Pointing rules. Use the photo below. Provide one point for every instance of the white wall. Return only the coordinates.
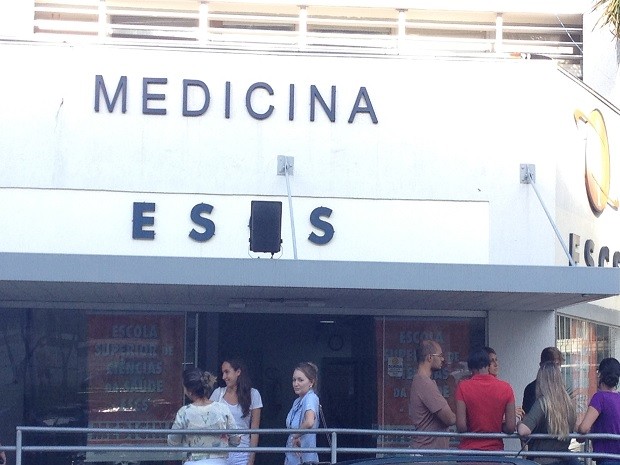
(450, 132)
(16, 18)
(518, 338)
(447, 131)
(601, 57)
(443, 132)
(582, 147)
(89, 222)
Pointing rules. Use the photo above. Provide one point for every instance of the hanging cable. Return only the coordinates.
(568, 33)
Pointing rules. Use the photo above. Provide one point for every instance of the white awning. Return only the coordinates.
(125, 282)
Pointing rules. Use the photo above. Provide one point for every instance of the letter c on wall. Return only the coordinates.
(248, 100)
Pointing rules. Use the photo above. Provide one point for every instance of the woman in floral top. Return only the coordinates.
(203, 413)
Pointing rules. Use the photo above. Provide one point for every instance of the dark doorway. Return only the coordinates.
(340, 394)
(273, 344)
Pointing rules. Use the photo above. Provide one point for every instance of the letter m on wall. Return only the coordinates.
(121, 90)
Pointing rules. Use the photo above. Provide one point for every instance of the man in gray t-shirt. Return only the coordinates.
(428, 409)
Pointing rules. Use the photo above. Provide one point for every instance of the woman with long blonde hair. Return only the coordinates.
(553, 413)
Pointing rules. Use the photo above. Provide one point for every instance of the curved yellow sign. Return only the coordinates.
(597, 161)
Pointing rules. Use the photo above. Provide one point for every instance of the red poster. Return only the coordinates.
(580, 367)
(135, 366)
(397, 339)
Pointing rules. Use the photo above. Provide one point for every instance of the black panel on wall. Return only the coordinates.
(265, 226)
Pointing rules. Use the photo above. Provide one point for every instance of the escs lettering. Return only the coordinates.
(143, 220)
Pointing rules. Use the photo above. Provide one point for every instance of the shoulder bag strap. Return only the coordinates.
(324, 423)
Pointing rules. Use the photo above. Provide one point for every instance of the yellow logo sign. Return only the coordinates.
(597, 162)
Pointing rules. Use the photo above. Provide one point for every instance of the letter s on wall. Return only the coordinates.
(317, 222)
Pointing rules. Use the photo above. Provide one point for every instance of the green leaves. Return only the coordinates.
(610, 15)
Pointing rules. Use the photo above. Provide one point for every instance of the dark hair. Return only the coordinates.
(244, 384)
(424, 349)
(609, 372)
(198, 383)
(489, 350)
(550, 354)
(478, 360)
(311, 372)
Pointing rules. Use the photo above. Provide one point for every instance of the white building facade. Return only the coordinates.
(423, 195)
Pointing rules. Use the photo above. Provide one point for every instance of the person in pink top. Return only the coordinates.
(482, 404)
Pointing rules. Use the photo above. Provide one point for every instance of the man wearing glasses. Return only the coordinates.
(428, 409)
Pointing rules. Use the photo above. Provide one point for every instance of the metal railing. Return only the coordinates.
(333, 450)
(375, 27)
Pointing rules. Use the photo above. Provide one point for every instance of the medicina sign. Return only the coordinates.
(197, 99)
(416, 159)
